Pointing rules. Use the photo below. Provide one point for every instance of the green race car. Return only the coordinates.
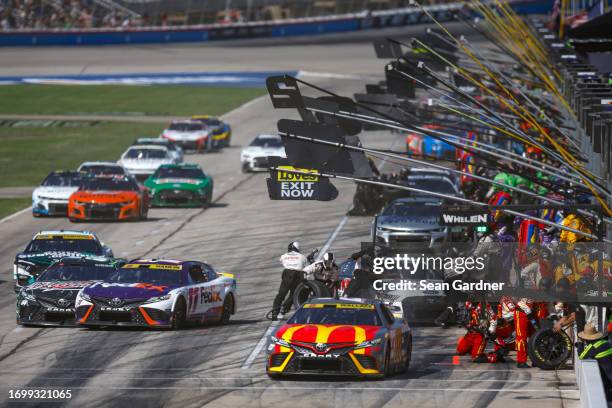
(180, 185)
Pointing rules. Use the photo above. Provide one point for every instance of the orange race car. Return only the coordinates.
(109, 198)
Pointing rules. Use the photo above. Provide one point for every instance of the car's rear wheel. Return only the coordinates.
(179, 314)
(388, 368)
(228, 309)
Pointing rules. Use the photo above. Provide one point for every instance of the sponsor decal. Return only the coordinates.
(463, 217)
(285, 185)
(59, 285)
(153, 266)
(67, 237)
(338, 306)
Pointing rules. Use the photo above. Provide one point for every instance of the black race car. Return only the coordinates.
(50, 300)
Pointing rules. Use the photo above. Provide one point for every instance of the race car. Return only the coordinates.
(109, 198)
(46, 247)
(255, 156)
(102, 168)
(51, 197)
(175, 151)
(221, 131)
(50, 300)
(191, 135)
(142, 161)
(354, 337)
(159, 293)
(180, 185)
(427, 147)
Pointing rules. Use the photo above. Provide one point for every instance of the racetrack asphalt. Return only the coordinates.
(243, 233)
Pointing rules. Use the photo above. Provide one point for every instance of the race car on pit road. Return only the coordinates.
(102, 168)
(50, 300)
(180, 185)
(142, 161)
(346, 336)
(159, 293)
(191, 135)
(254, 157)
(221, 132)
(174, 150)
(51, 197)
(47, 247)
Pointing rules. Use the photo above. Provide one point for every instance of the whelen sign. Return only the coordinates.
(458, 216)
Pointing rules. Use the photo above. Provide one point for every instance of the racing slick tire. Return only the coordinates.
(403, 368)
(226, 143)
(179, 314)
(549, 350)
(228, 308)
(307, 290)
(389, 370)
(245, 168)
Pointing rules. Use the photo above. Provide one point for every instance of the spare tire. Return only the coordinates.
(307, 290)
(549, 350)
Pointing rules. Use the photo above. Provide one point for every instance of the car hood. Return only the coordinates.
(57, 289)
(48, 257)
(60, 193)
(407, 223)
(327, 333)
(260, 151)
(127, 290)
(176, 135)
(107, 197)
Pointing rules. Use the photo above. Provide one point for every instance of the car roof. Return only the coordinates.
(146, 146)
(157, 140)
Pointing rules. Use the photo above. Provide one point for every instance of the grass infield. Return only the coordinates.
(11, 205)
(29, 153)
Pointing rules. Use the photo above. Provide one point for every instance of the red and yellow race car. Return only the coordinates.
(354, 337)
(108, 198)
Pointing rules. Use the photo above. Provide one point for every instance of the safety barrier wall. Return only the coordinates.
(290, 27)
(590, 384)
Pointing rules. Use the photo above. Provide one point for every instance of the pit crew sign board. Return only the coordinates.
(283, 184)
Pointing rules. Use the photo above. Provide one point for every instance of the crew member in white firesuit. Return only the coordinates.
(294, 264)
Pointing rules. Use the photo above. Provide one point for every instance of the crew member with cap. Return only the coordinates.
(597, 348)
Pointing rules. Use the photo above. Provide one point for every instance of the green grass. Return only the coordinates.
(122, 99)
(29, 154)
(11, 205)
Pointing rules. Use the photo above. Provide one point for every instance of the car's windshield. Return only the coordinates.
(210, 121)
(62, 180)
(413, 209)
(267, 142)
(102, 169)
(142, 153)
(169, 172)
(51, 243)
(66, 271)
(187, 127)
(132, 273)
(336, 314)
(109, 184)
(437, 185)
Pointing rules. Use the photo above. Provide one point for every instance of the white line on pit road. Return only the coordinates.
(264, 339)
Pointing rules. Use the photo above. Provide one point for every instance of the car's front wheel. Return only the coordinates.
(179, 314)
(228, 309)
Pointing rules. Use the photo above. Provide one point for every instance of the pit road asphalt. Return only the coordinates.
(243, 233)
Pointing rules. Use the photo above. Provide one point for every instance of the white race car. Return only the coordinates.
(174, 150)
(255, 155)
(51, 197)
(190, 135)
(102, 168)
(142, 161)
(158, 293)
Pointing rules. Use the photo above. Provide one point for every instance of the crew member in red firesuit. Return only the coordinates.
(474, 341)
(522, 328)
(501, 327)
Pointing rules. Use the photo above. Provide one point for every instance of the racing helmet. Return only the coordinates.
(294, 247)
(328, 260)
